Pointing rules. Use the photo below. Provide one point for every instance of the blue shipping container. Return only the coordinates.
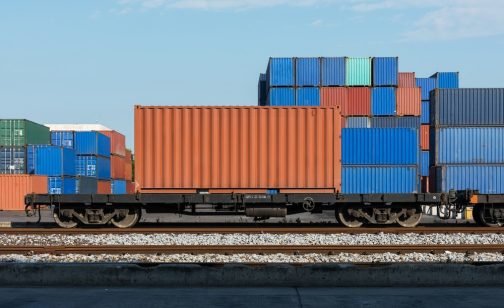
(424, 164)
(92, 143)
(383, 101)
(333, 71)
(469, 145)
(86, 185)
(427, 85)
(13, 160)
(63, 138)
(357, 122)
(118, 187)
(308, 97)
(385, 71)
(280, 72)
(307, 72)
(425, 112)
(468, 107)
(380, 146)
(282, 97)
(488, 179)
(446, 80)
(379, 179)
(53, 161)
(395, 122)
(61, 185)
(93, 166)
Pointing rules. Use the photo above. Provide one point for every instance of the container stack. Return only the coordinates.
(467, 140)
(440, 80)
(117, 161)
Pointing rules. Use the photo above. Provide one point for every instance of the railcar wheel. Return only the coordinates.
(410, 217)
(345, 216)
(485, 218)
(126, 218)
(64, 221)
(477, 216)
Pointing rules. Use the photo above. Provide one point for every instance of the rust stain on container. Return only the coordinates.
(334, 97)
(409, 101)
(359, 102)
(424, 137)
(406, 80)
(237, 148)
(14, 188)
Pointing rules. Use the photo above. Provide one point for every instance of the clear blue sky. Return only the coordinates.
(92, 61)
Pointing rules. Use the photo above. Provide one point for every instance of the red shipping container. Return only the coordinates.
(237, 149)
(117, 142)
(128, 171)
(117, 167)
(334, 97)
(14, 188)
(359, 102)
(406, 80)
(104, 187)
(130, 187)
(129, 156)
(424, 137)
(409, 101)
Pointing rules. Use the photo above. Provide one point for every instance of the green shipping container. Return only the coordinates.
(358, 71)
(23, 132)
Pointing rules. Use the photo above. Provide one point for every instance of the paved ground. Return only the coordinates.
(252, 297)
(18, 218)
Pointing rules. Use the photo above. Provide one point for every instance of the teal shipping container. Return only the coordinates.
(358, 71)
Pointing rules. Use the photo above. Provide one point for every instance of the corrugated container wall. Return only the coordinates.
(383, 101)
(93, 166)
(282, 97)
(469, 145)
(425, 118)
(488, 179)
(23, 132)
(130, 187)
(446, 80)
(14, 188)
(307, 72)
(358, 71)
(63, 139)
(104, 187)
(243, 148)
(262, 90)
(86, 185)
(280, 72)
(424, 164)
(406, 80)
(357, 122)
(427, 85)
(424, 137)
(117, 142)
(54, 161)
(62, 185)
(359, 102)
(92, 143)
(408, 102)
(118, 187)
(467, 107)
(379, 179)
(395, 122)
(334, 97)
(333, 71)
(385, 71)
(379, 146)
(307, 97)
(117, 167)
(13, 160)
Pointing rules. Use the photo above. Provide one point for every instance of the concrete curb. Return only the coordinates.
(237, 275)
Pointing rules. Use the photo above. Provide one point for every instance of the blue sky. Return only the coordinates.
(92, 61)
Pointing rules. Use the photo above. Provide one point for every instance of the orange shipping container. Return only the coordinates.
(334, 97)
(104, 187)
(409, 101)
(130, 187)
(406, 80)
(424, 137)
(237, 149)
(128, 171)
(117, 142)
(359, 102)
(129, 156)
(117, 167)
(14, 188)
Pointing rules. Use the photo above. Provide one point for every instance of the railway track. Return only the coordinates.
(247, 249)
(471, 229)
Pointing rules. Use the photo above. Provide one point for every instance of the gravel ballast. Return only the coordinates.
(253, 239)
